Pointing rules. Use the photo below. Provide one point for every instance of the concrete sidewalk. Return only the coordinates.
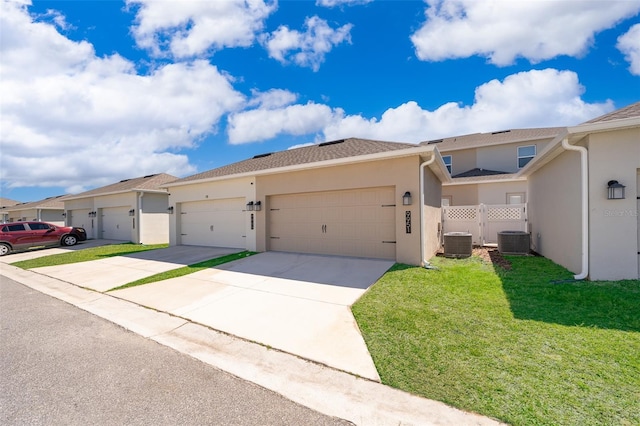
(183, 318)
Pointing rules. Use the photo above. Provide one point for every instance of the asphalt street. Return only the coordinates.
(62, 365)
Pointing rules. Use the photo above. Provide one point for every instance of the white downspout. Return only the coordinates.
(137, 217)
(423, 220)
(584, 172)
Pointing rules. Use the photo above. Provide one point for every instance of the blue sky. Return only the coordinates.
(98, 91)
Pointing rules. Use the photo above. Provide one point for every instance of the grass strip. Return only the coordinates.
(85, 255)
(526, 346)
(186, 270)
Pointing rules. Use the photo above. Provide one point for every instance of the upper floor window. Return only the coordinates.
(525, 154)
(447, 162)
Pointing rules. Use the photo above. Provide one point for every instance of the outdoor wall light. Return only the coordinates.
(170, 209)
(92, 214)
(406, 199)
(257, 206)
(64, 214)
(250, 206)
(132, 212)
(616, 190)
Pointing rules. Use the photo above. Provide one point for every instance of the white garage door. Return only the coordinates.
(358, 223)
(213, 223)
(116, 223)
(79, 218)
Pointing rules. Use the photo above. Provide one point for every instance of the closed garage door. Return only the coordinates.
(80, 218)
(116, 223)
(358, 223)
(214, 223)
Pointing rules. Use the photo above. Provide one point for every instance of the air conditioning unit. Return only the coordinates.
(458, 244)
(514, 242)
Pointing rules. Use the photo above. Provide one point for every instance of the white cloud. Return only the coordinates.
(505, 30)
(75, 120)
(191, 28)
(273, 98)
(544, 98)
(629, 45)
(306, 49)
(262, 124)
(334, 3)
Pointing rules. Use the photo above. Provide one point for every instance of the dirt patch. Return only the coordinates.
(487, 254)
(493, 256)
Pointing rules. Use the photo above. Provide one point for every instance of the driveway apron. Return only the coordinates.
(297, 303)
(111, 272)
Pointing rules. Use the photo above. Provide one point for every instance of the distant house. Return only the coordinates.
(350, 197)
(130, 210)
(578, 215)
(48, 210)
(4, 204)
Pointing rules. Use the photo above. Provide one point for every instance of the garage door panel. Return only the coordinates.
(349, 223)
(213, 223)
(116, 223)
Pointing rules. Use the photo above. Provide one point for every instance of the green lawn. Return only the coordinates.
(527, 346)
(186, 270)
(84, 255)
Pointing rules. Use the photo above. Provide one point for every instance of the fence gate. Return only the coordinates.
(483, 221)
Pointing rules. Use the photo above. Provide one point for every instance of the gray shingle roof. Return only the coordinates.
(6, 202)
(478, 172)
(629, 111)
(494, 138)
(149, 182)
(47, 203)
(343, 148)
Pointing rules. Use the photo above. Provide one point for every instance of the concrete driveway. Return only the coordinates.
(293, 302)
(111, 272)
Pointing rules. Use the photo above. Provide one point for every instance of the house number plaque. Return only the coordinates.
(407, 220)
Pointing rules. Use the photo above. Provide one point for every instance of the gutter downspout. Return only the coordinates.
(423, 220)
(137, 216)
(584, 174)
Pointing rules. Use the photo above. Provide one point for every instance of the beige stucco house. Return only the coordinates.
(4, 204)
(351, 197)
(50, 210)
(484, 166)
(572, 218)
(130, 210)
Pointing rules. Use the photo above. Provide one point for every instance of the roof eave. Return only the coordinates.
(80, 197)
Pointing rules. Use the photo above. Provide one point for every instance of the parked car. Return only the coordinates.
(25, 235)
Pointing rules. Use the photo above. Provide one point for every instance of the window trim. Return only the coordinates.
(530, 157)
(450, 165)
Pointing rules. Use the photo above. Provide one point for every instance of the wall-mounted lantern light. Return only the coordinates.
(615, 190)
(92, 214)
(64, 214)
(406, 199)
(250, 206)
(170, 209)
(257, 206)
(132, 212)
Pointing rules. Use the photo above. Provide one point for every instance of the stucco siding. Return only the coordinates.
(462, 195)
(432, 211)
(496, 192)
(554, 204)
(224, 189)
(613, 223)
(154, 228)
(462, 160)
(401, 173)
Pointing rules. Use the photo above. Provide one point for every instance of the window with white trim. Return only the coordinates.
(515, 198)
(447, 162)
(525, 154)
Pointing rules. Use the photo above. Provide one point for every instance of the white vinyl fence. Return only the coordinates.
(483, 221)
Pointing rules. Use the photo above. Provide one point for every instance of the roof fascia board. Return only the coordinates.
(603, 126)
(475, 182)
(550, 152)
(418, 150)
(484, 145)
(80, 197)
